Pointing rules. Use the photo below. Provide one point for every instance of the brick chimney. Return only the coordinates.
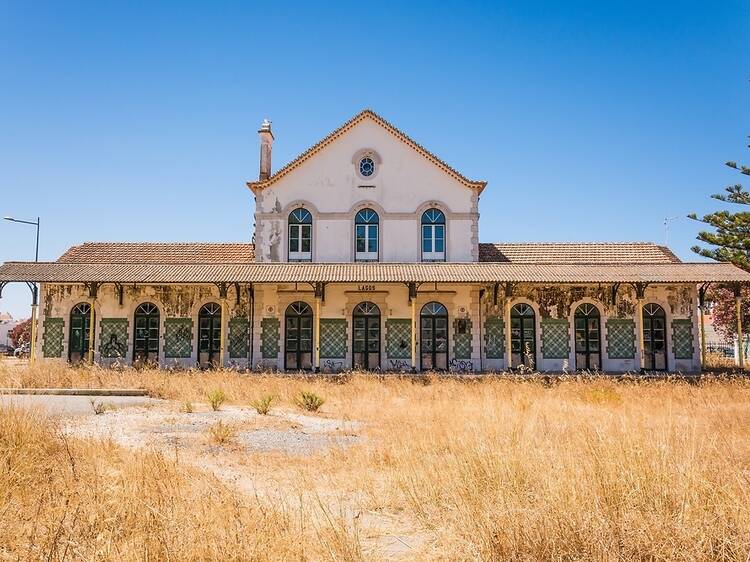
(266, 144)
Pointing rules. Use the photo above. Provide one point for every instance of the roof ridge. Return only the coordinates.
(643, 243)
(92, 242)
(333, 135)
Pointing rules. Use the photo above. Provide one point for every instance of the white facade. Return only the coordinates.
(419, 210)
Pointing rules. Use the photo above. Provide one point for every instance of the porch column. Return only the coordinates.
(223, 331)
(640, 295)
(506, 314)
(639, 327)
(413, 304)
(34, 322)
(702, 307)
(92, 330)
(316, 335)
(740, 350)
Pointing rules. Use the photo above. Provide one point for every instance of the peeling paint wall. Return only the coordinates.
(556, 302)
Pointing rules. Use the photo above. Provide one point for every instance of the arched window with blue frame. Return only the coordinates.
(300, 235)
(433, 235)
(366, 235)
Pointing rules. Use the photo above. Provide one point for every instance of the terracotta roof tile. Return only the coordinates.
(577, 253)
(56, 272)
(159, 252)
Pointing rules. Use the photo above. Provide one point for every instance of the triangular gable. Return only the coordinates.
(400, 135)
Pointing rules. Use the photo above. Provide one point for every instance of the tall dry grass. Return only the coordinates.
(496, 469)
(66, 499)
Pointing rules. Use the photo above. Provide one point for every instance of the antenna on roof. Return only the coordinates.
(667, 220)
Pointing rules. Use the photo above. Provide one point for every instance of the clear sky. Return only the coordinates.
(591, 121)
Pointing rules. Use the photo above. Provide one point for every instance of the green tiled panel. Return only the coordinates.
(54, 329)
(333, 338)
(555, 338)
(178, 338)
(620, 338)
(462, 342)
(238, 337)
(494, 337)
(398, 338)
(682, 338)
(113, 338)
(269, 338)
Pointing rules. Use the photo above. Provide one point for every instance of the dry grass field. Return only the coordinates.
(443, 469)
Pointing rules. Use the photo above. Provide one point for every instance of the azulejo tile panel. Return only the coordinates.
(333, 341)
(113, 338)
(269, 338)
(555, 338)
(178, 338)
(462, 341)
(494, 337)
(398, 338)
(239, 333)
(682, 338)
(54, 329)
(620, 338)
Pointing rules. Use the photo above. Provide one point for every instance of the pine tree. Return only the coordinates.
(730, 237)
(729, 241)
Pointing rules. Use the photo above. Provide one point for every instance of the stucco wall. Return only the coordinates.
(329, 186)
(462, 302)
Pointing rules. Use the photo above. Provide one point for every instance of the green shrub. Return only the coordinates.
(221, 433)
(308, 400)
(262, 405)
(216, 398)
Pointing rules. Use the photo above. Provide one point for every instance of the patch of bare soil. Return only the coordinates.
(260, 460)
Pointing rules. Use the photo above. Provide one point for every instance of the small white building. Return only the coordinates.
(366, 255)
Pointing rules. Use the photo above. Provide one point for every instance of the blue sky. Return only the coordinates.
(590, 120)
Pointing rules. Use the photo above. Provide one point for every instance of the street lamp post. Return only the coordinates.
(34, 290)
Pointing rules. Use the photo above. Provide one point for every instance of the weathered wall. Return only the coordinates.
(330, 187)
(554, 306)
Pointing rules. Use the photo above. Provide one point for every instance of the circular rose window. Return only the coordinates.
(366, 167)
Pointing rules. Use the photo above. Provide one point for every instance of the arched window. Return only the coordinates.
(80, 331)
(366, 235)
(588, 337)
(366, 336)
(209, 334)
(654, 338)
(523, 336)
(298, 338)
(433, 235)
(146, 334)
(300, 235)
(433, 335)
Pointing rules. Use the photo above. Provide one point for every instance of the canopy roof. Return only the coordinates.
(479, 272)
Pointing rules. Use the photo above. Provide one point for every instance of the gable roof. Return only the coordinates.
(577, 253)
(159, 252)
(361, 116)
(240, 253)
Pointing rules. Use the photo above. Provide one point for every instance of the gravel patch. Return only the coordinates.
(161, 425)
(292, 443)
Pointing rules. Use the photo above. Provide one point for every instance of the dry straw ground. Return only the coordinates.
(483, 470)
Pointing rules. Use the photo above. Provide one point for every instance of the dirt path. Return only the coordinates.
(267, 459)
